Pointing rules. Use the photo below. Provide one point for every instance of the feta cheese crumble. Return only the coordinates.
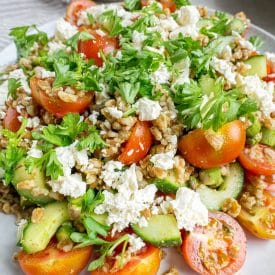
(64, 30)
(189, 210)
(34, 151)
(55, 46)
(164, 161)
(147, 109)
(3, 94)
(42, 73)
(161, 75)
(135, 244)
(111, 173)
(138, 39)
(114, 112)
(69, 185)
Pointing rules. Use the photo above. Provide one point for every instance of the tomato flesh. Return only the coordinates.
(92, 48)
(258, 159)
(52, 261)
(146, 262)
(56, 106)
(196, 149)
(270, 78)
(11, 121)
(218, 248)
(75, 8)
(138, 144)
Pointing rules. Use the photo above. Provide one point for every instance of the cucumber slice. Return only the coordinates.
(64, 232)
(258, 65)
(230, 188)
(36, 236)
(268, 137)
(236, 25)
(31, 186)
(207, 84)
(162, 230)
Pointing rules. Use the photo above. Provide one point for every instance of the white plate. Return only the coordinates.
(260, 253)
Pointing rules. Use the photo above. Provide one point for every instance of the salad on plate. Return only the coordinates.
(139, 126)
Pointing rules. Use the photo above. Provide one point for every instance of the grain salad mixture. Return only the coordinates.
(138, 126)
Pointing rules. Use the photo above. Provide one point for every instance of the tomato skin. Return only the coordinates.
(145, 263)
(75, 8)
(91, 48)
(270, 78)
(254, 165)
(11, 121)
(138, 144)
(166, 4)
(255, 223)
(52, 261)
(196, 150)
(191, 244)
(56, 106)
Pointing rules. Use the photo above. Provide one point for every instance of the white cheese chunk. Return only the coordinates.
(64, 30)
(161, 75)
(114, 112)
(42, 73)
(55, 46)
(189, 210)
(34, 151)
(111, 173)
(135, 244)
(138, 39)
(3, 94)
(147, 109)
(69, 185)
(164, 161)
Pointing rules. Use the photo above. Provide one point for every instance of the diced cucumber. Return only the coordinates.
(205, 23)
(254, 128)
(268, 137)
(258, 65)
(162, 230)
(207, 84)
(230, 188)
(236, 25)
(36, 236)
(64, 232)
(211, 177)
(32, 185)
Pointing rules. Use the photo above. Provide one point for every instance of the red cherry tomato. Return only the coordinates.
(92, 48)
(258, 159)
(269, 78)
(11, 121)
(138, 145)
(75, 8)
(56, 106)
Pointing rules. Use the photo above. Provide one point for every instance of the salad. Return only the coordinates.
(138, 126)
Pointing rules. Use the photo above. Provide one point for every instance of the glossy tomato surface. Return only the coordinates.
(258, 159)
(92, 48)
(138, 144)
(11, 121)
(52, 261)
(197, 150)
(54, 105)
(147, 262)
(75, 8)
(218, 248)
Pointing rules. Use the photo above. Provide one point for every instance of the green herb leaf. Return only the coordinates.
(111, 22)
(80, 36)
(180, 3)
(256, 41)
(13, 85)
(24, 41)
(132, 5)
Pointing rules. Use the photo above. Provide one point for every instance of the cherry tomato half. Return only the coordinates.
(196, 149)
(146, 262)
(218, 248)
(138, 144)
(56, 106)
(11, 121)
(258, 159)
(52, 261)
(91, 48)
(75, 8)
(166, 4)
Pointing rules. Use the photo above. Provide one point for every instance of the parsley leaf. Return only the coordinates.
(180, 3)
(132, 5)
(91, 142)
(111, 22)
(210, 111)
(24, 41)
(12, 155)
(256, 41)
(13, 85)
(65, 133)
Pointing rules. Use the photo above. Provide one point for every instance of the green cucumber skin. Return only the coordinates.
(161, 231)
(268, 137)
(231, 187)
(166, 186)
(258, 65)
(36, 236)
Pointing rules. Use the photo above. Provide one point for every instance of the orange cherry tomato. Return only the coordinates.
(56, 106)
(166, 4)
(270, 78)
(258, 159)
(260, 221)
(218, 248)
(91, 48)
(196, 149)
(75, 8)
(146, 262)
(52, 261)
(138, 144)
(11, 121)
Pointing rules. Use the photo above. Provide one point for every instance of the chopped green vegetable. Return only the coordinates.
(80, 36)
(13, 85)
(132, 5)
